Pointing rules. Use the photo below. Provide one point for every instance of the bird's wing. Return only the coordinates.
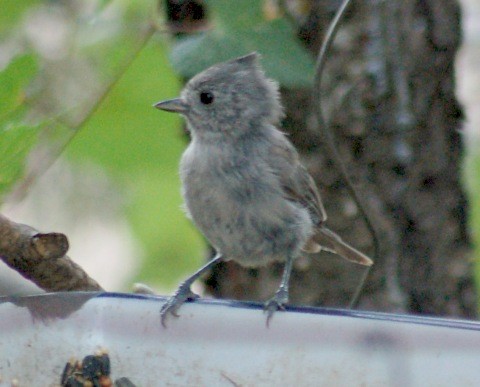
(296, 182)
(328, 240)
(299, 187)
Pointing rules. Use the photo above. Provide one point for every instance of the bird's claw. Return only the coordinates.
(175, 302)
(276, 303)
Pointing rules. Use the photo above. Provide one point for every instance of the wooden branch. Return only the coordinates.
(41, 258)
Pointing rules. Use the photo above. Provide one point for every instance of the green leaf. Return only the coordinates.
(245, 14)
(16, 141)
(471, 177)
(12, 11)
(13, 80)
(283, 57)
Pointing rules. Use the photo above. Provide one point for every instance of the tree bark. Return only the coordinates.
(389, 94)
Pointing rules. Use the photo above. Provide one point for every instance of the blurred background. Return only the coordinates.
(84, 153)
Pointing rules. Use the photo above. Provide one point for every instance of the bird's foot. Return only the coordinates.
(183, 294)
(277, 302)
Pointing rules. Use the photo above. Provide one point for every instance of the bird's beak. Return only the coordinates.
(176, 105)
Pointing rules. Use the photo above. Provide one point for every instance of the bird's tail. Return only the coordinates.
(326, 239)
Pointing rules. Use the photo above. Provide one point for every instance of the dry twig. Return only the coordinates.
(41, 258)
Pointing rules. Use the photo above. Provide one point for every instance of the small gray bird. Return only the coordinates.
(243, 184)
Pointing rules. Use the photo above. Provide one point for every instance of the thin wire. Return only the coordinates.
(358, 290)
(316, 96)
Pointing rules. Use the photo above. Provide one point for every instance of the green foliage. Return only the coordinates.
(16, 136)
(472, 182)
(16, 141)
(12, 11)
(245, 14)
(239, 30)
(14, 79)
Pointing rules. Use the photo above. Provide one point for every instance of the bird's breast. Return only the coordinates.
(240, 208)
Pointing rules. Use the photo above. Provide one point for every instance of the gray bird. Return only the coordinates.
(242, 181)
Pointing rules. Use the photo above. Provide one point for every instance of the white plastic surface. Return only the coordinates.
(227, 344)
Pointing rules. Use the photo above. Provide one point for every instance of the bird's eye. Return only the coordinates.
(206, 97)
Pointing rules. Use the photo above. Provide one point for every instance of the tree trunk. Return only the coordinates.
(389, 95)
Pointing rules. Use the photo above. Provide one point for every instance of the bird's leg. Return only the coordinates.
(184, 292)
(280, 299)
